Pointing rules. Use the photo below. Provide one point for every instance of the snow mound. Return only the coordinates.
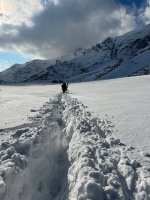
(69, 155)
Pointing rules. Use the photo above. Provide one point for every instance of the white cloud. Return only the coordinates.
(61, 25)
(17, 12)
(146, 13)
(127, 21)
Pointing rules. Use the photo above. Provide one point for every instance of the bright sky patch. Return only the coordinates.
(9, 58)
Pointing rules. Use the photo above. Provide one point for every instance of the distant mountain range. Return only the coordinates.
(126, 55)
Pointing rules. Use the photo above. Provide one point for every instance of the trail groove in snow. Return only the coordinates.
(69, 155)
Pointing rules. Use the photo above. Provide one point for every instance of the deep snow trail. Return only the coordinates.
(68, 154)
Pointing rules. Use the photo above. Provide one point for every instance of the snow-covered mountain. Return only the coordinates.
(123, 56)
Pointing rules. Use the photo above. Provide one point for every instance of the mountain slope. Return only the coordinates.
(122, 56)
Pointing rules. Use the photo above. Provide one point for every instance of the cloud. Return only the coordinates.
(17, 12)
(48, 29)
(145, 13)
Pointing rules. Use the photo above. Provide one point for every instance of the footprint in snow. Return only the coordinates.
(147, 155)
(33, 110)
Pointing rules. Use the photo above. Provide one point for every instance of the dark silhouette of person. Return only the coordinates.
(64, 87)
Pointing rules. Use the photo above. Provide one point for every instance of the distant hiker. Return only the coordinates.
(64, 87)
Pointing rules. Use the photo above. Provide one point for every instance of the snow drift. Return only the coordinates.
(66, 153)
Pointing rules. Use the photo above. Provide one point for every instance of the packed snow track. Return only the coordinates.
(67, 154)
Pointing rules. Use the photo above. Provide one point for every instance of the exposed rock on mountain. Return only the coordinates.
(123, 56)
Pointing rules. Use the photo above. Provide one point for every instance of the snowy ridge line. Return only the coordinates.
(101, 61)
(71, 155)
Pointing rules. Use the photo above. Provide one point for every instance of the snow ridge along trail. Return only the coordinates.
(69, 155)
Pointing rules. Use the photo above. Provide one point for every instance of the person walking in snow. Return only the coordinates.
(64, 87)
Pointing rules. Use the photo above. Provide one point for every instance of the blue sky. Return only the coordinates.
(40, 29)
(138, 3)
(9, 58)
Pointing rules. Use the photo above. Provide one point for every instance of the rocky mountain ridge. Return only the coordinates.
(123, 56)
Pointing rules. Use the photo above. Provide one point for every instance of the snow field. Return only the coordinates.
(66, 153)
(125, 103)
(99, 167)
(17, 102)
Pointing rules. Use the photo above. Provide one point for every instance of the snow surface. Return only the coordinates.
(17, 102)
(125, 103)
(63, 151)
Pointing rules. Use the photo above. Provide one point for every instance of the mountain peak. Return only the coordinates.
(122, 56)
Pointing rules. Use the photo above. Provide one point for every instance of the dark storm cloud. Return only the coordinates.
(59, 29)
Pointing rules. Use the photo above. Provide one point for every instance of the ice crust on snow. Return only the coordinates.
(70, 155)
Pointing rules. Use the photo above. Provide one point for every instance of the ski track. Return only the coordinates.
(66, 153)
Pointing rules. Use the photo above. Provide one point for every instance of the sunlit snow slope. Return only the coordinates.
(123, 56)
